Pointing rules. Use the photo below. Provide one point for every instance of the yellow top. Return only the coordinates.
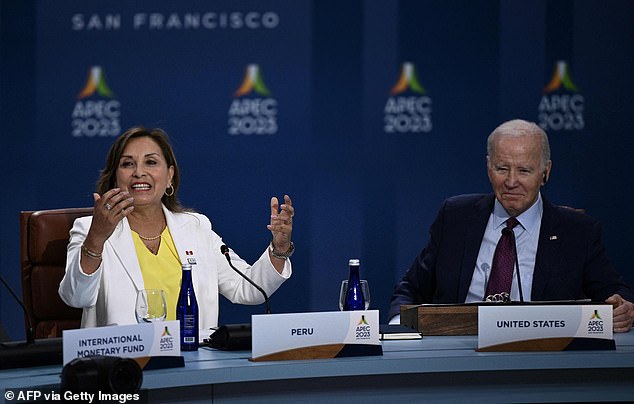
(161, 271)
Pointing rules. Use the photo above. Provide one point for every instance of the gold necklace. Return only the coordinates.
(149, 238)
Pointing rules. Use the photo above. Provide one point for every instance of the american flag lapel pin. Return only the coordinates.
(553, 238)
(190, 257)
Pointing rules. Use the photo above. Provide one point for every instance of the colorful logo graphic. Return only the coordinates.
(562, 105)
(255, 115)
(96, 82)
(596, 324)
(408, 109)
(363, 330)
(561, 75)
(96, 116)
(407, 80)
(362, 321)
(252, 82)
(166, 342)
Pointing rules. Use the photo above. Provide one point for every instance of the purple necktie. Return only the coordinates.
(503, 262)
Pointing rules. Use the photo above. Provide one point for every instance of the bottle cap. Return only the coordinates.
(353, 262)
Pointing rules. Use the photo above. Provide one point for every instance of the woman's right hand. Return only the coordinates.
(109, 209)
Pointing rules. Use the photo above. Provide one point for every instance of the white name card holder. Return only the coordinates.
(317, 335)
(545, 327)
(152, 345)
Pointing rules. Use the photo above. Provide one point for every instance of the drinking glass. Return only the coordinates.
(150, 306)
(365, 289)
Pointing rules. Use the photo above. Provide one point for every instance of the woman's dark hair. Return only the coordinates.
(108, 177)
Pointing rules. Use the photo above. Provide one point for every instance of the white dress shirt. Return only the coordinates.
(526, 236)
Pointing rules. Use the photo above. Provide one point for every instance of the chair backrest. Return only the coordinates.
(44, 238)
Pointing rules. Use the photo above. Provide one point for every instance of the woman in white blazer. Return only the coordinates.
(136, 199)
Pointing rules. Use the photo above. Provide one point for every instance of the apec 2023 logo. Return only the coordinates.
(253, 110)
(408, 109)
(562, 105)
(97, 112)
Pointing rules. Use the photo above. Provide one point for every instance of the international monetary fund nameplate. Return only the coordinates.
(130, 341)
(500, 325)
(274, 333)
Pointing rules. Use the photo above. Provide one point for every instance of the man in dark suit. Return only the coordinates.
(560, 251)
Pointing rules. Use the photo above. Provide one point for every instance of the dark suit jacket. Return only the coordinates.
(571, 262)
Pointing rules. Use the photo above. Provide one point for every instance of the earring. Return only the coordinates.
(171, 193)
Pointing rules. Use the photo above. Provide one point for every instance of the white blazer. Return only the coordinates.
(108, 295)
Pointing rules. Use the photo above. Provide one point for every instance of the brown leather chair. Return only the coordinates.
(44, 237)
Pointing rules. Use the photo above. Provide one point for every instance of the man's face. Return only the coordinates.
(515, 171)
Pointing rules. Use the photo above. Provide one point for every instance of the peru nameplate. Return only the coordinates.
(315, 335)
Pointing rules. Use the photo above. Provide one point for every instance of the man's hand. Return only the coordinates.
(623, 314)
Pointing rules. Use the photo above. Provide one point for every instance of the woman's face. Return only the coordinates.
(143, 172)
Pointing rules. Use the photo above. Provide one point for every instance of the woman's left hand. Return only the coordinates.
(281, 225)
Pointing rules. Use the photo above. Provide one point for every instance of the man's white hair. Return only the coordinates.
(520, 127)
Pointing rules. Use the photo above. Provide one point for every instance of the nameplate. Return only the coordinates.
(315, 335)
(545, 327)
(130, 341)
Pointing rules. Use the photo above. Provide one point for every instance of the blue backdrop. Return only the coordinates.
(368, 113)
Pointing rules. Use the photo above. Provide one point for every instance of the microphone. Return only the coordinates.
(225, 251)
(235, 337)
(30, 334)
(32, 352)
(510, 232)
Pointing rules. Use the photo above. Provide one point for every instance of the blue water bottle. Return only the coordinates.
(187, 311)
(354, 295)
